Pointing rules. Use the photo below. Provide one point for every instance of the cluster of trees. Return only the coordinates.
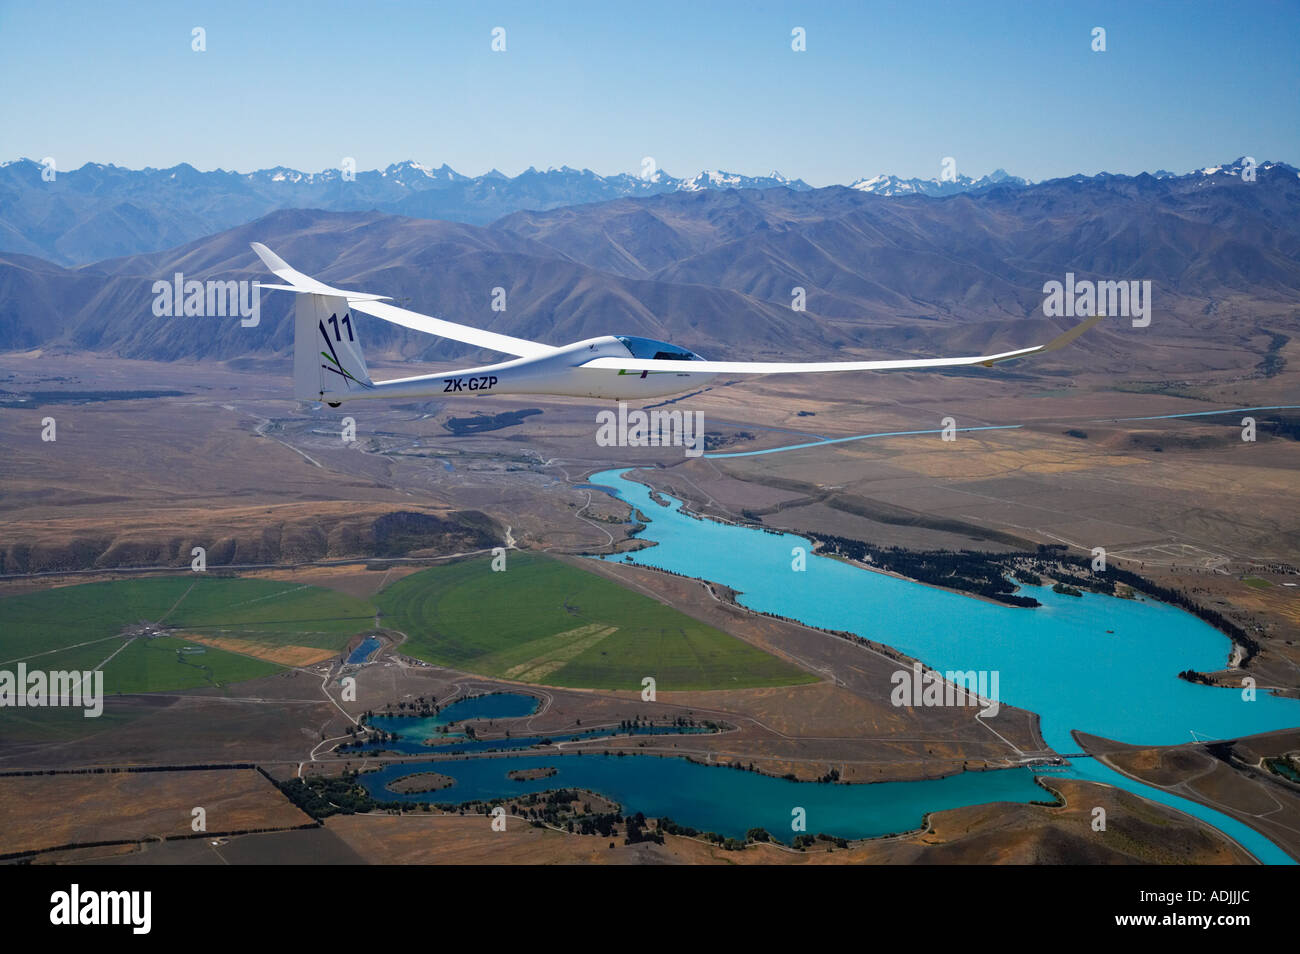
(417, 707)
(677, 722)
(803, 842)
(671, 827)
(560, 810)
(602, 823)
(321, 797)
(378, 736)
(970, 571)
(638, 831)
(753, 836)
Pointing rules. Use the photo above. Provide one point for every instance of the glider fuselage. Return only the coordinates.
(558, 372)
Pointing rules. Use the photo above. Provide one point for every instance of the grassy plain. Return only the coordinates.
(242, 629)
(544, 621)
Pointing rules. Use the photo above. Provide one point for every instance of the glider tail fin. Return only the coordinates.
(328, 364)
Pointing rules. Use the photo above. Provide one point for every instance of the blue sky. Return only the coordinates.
(882, 87)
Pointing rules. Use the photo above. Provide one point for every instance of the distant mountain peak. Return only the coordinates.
(720, 179)
(110, 211)
(1238, 165)
(890, 185)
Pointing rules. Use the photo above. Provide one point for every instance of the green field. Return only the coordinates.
(78, 627)
(542, 621)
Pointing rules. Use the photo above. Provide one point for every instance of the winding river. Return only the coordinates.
(1094, 663)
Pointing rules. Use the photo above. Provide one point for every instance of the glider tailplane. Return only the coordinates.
(328, 364)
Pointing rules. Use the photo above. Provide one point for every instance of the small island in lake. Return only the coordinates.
(532, 774)
(420, 782)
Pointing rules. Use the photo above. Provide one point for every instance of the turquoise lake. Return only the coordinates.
(1057, 660)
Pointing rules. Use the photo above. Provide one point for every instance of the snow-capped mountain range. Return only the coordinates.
(101, 211)
(893, 185)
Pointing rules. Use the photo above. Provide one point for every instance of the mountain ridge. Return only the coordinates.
(715, 270)
(102, 211)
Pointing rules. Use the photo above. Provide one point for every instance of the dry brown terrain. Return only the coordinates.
(285, 655)
(46, 811)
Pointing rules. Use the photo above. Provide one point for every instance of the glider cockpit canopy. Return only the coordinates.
(656, 350)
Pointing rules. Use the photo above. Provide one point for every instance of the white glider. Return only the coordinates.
(329, 366)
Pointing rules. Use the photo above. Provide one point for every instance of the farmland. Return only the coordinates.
(544, 621)
(241, 629)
